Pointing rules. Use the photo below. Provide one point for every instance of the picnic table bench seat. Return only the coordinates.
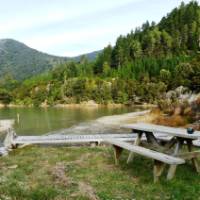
(171, 160)
(159, 158)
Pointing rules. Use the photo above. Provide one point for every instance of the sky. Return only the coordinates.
(74, 27)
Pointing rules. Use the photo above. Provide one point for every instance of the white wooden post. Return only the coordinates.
(8, 126)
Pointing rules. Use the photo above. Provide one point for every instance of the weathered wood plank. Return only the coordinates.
(196, 143)
(62, 139)
(158, 170)
(172, 168)
(117, 153)
(8, 141)
(136, 143)
(178, 132)
(90, 138)
(147, 152)
(194, 160)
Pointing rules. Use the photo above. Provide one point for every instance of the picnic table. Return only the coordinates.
(162, 151)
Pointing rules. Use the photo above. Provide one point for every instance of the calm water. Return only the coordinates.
(37, 121)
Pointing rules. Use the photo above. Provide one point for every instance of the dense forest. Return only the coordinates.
(140, 67)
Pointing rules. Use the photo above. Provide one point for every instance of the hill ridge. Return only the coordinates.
(21, 61)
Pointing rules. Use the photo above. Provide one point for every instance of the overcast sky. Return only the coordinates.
(73, 27)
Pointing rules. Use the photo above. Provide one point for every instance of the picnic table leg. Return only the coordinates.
(158, 170)
(152, 139)
(137, 142)
(194, 160)
(117, 153)
(172, 168)
(170, 144)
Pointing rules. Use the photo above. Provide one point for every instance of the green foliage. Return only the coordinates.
(5, 96)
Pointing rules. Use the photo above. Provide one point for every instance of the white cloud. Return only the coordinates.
(79, 37)
(55, 12)
(69, 28)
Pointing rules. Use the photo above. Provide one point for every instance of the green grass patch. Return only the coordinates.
(35, 173)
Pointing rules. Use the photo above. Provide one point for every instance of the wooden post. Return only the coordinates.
(158, 170)
(8, 124)
(137, 143)
(8, 141)
(194, 160)
(170, 144)
(117, 153)
(152, 139)
(172, 168)
(94, 144)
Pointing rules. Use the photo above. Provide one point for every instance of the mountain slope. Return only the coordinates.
(90, 56)
(23, 62)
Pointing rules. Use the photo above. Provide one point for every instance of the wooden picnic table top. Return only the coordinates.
(176, 132)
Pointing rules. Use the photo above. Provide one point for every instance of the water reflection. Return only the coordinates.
(37, 121)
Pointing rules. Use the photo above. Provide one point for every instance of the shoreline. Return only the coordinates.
(80, 105)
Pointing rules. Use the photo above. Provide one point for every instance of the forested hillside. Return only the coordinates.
(21, 62)
(141, 66)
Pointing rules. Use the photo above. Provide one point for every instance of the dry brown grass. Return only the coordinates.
(86, 190)
(174, 120)
(59, 175)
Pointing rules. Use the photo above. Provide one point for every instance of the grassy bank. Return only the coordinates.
(42, 173)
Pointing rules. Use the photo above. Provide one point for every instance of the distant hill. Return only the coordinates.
(90, 56)
(22, 62)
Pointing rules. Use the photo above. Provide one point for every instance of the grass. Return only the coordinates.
(62, 173)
